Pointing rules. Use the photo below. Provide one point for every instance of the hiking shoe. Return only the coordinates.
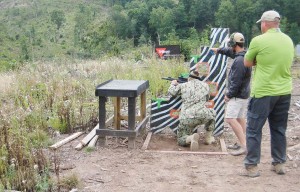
(241, 151)
(209, 138)
(278, 168)
(250, 171)
(190, 138)
(235, 146)
(194, 141)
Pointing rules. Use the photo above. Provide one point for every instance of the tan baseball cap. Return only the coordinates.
(269, 16)
(235, 38)
(238, 37)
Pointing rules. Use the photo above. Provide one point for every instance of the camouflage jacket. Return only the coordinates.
(194, 94)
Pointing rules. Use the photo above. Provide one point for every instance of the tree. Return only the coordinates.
(58, 18)
(181, 21)
(162, 21)
(82, 22)
(224, 15)
(138, 11)
(122, 26)
(202, 13)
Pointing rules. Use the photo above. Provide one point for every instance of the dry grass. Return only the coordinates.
(6, 82)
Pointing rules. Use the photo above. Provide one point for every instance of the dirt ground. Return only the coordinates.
(117, 168)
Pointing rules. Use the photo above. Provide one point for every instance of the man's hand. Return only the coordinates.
(174, 82)
(215, 50)
(226, 99)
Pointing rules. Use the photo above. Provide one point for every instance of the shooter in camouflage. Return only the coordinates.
(194, 94)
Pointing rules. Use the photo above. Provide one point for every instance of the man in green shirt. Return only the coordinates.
(272, 54)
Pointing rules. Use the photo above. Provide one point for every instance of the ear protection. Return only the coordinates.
(231, 41)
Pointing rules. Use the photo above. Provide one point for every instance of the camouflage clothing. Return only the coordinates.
(193, 112)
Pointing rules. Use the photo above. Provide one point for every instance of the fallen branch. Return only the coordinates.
(66, 140)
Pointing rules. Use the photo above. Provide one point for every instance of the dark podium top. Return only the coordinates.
(122, 88)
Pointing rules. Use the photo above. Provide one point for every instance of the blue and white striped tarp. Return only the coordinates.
(163, 112)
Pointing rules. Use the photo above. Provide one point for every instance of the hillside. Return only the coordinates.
(44, 29)
(33, 30)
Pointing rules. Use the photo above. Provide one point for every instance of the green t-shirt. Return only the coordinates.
(274, 53)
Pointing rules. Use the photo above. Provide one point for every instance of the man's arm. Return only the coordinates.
(250, 57)
(248, 63)
(224, 51)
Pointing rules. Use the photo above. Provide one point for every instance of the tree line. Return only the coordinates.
(45, 29)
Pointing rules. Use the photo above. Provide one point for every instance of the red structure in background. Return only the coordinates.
(167, 51)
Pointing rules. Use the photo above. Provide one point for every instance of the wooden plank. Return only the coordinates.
(223, 145)
(93, 142)
(90, 136)
(116, 133)
(66, 140)
(125, 117)
(147, 141)
(142, 124)
(79, 146)
(188, 152)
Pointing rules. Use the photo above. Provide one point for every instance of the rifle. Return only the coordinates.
(179, 80)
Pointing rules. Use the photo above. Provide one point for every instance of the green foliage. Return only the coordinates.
(58, 18)
(89, 149)
(162, 22)
(225, 15)
(43, 183)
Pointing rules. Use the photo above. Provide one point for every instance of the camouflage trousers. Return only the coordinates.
(187, 126)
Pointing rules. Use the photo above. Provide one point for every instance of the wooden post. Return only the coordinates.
(117, 113)
(143, 105)
(102, 116)
(131, 120)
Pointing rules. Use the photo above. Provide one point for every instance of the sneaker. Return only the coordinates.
(235, 146)
(241, 151)
(278, 168)
(250, 171)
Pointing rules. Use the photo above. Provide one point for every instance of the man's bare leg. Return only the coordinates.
(238, 129)
(239, 132)
(242, 122)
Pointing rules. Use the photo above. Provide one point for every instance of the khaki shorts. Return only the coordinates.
(236, 108)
